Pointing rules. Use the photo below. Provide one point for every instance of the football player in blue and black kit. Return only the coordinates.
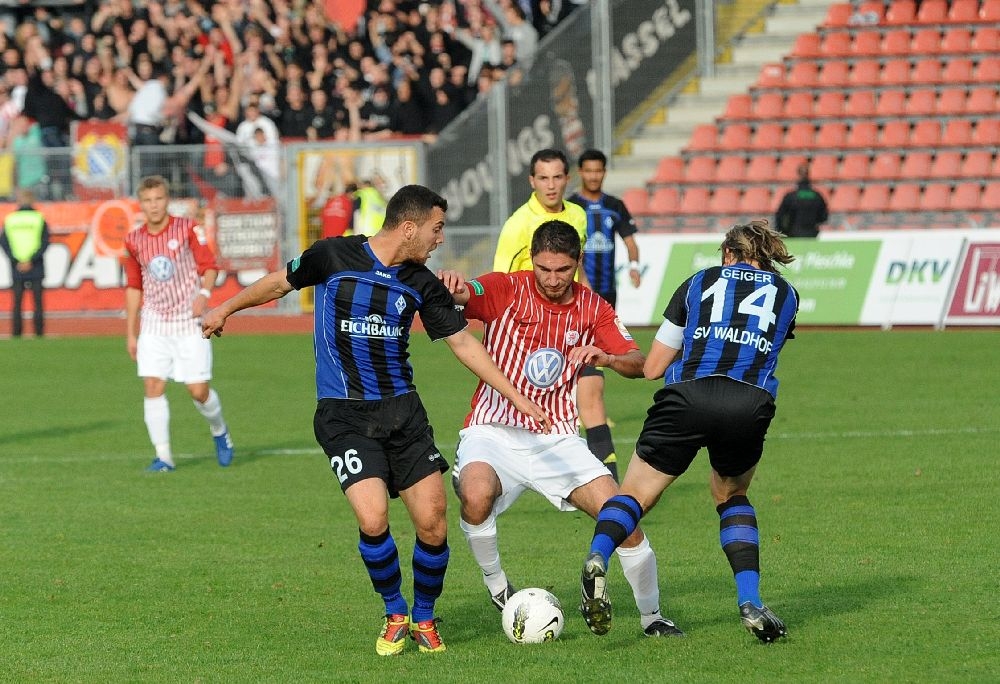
(607, 216)
(369, 419)
(728, 323)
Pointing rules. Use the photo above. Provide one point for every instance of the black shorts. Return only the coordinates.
(729, 417)
(390, 439)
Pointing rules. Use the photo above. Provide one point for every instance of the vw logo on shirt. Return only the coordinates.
(161, 268)
(544, 367)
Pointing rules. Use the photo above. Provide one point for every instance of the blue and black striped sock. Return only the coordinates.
(382, 562)
(618, 518)
(429, 566)
(741, 543)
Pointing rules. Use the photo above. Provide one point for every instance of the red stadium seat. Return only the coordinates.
(956, 40)
(966, 197)
(901, 12)
(725, 200)
(896, 72)
(695, 200)
(838, 14)
(637, 200)
(846, 197)
(831, 134)
(669, 170)
(798, 105)
(700, 170)
(977, 164)
(854, 166)
(830, 103)
(991, 196)
(896, 43)
(905, 197)
(916, 165)
(664, 201)
(951, 101)
(731, 169)
(874, 197)
(926, 133)
(836, 44)
(756, 201)
(988, 70)
(802, 75)
(957, 132)
(986, 39)
(735, 136)
(768, 136)
(834, 74)
(885, 166)
(862, 134)
(866, 72)
(801, 135)
(788, 168)
(762, 168)
(926, 41)
(932, 11)
(986, 132)
(807, 45)
(771, 76)
(982, 100)
(946, 164)
(704, 137)
(958, 70)
(740, 106)
(866, 43)
(990, 12)
(895, 133)
(964, 11)
(921, 102)
(860, 103)
(936, 197)
(769, 106)
(824, 166)
(926, 71)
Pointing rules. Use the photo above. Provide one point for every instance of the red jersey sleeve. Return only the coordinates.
(489, 295)
(610, 334)
(204, 257)
(133, 271)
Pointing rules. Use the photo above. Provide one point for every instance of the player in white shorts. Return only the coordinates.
(170, 270)
(541, 329)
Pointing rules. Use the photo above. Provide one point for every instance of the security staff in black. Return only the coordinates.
(802, 210)
(24, 240)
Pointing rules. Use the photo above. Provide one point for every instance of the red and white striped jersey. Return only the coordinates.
(167, 267)
(529, 338)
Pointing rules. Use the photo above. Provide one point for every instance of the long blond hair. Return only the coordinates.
(757, 241)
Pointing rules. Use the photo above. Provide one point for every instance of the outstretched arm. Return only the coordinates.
(272, 286)
(474, 356)
(628, 365)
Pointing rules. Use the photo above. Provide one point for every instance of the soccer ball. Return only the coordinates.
(532, 616)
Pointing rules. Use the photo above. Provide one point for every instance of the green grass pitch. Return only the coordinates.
(877, 499)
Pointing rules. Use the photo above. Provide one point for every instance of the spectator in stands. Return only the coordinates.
(324, 123)
(803, 209)
(516, 27)
(30, 163)
(408, 116)
(297, 114)
(549, 13)
(377, 114)
(145, 111)
(484, 45)
(253, 120)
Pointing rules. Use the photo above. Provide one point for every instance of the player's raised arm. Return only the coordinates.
(474, 356)
(272, 286)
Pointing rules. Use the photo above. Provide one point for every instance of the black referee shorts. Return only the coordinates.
(728, 417)
(390, 439)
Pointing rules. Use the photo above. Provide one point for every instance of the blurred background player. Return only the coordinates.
(607, 216)
(717, 352)
(337, 215)
(170, 270)
(803, 209)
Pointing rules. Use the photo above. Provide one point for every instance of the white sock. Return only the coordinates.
(212, 410)
(482, 540)
(156, 413)
(639, 568)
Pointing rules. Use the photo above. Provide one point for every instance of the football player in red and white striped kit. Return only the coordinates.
(170, 270)
(541, 330)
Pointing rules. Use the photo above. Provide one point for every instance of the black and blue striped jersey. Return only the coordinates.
(605, 217)
(735, 320)
(363, 314)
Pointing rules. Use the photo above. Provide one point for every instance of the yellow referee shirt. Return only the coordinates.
(514, 246)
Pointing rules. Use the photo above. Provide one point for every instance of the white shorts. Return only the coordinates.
(552, 465)
(186, 359)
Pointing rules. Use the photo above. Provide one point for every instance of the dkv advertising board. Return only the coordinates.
(879, 278)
